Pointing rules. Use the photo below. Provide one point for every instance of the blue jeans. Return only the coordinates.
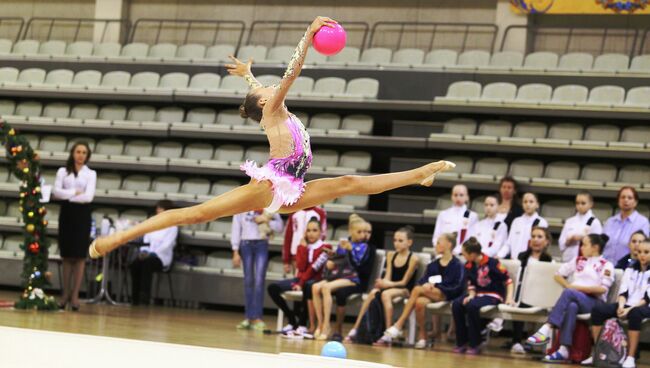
(565, 312)
(467, 318)
(254, 255)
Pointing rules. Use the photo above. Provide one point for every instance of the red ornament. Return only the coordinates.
(34, 248)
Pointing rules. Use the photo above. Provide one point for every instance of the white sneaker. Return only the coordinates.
(421, 344)
(517, 349)
(301, 330)
(629, 362)
(287, 329)
(393, 332)
(588, 361)
(496, 325)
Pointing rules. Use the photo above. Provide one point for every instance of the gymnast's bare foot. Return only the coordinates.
(430, 171)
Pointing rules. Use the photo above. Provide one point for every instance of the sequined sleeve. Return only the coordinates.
(298, 57)
(252, 82)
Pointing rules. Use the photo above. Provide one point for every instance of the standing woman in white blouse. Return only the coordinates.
(75, 188)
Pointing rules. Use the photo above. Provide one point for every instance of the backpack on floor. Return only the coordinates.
(582, 343)
(611, 348)
(372, 323)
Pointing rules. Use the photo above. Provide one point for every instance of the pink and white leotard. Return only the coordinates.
(287, 174)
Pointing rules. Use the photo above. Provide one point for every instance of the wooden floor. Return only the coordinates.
(216, 329)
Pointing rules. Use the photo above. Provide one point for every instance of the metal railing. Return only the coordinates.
(288, 33)
(642, 43)
(72, 29)
(11, 28)
(184, 31)
(563, 40)
(433, 35)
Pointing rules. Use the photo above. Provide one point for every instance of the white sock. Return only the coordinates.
(545, 330)
(563, 351)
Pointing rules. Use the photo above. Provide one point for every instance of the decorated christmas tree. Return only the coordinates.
(25, 165)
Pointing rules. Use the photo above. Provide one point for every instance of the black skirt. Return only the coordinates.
(74, 229)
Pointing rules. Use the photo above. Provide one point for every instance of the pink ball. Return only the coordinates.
(330, 40)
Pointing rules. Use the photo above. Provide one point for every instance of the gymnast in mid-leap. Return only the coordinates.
(279, 185)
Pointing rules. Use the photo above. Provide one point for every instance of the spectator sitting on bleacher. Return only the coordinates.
(442, 281)
(593, 275)
(509, 207)
(295, 231)
(488, 283)
(398, 280)
(310, 261)
(540, 240)
(490, 232)
(249, 239)
(348, 273)
(576, 227)
(520, 230)
(635, 240)
(632, 304)
(155, 257)
(457, 218)
(622, 225)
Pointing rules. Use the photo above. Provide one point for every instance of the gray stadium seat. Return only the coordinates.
(109, 181)
(136, 183)
(112, 112)
(259, 154)
(638, 134)
(223, 186)
(461, 126)
(279, 54)
(196, 186)
(52, 47)
(233, 84)
(562, 170)
(464, 164)
(611, 62)
(570, 94)
(256, 52)
(31, 76)
(640, 64)
(599, 172)
(558, 209)
(362, 88)
(170, 114)
(361, 123)
(408, 57)
(530, 129)
(33, 139)
(490, 167)
(26, 47)
(201, 115)
(315, 58)
(191, 51)
(220, 52)
(205, 82)
(325, 121)
(541, 61)
(495, 128)
(602, 132)
(634, 174)
(166, 184)
(56, 110)
(523, 170)
(87, 78)
(360, 161)
(174, 80)
(638, 97)
(168, 150)
(79, 48)
(534, 93)
(229, 153)
(140, 148)
(8, 74)
(474, 58)
(7, 107)
(163, 51)
(376, 56)
(442, 203)
(107, 49)
(53, 143)
(507, 59)
(145, 80)
(116, 79)
(602, 211)
(565, 131)
(441, 58)
(198, 151)
(576, 61)
(59, 77)
(325, 158)
(328, 87)
(301, 85)
(84, 111)
(356, 201)
(110, 146)
(12, 243)
(230, 117)
(5, 46)
(346, 56)
(29, 108)
(606, 96)
(73, 141)
(463, 91)
(142, 113)
(499, 92)
(135, 50)
(269, 79)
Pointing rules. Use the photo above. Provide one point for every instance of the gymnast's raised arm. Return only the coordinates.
(243, 70)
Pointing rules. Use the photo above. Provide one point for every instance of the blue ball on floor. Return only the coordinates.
(334, 349)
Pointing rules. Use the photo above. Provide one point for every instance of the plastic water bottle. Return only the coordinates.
(93, 229)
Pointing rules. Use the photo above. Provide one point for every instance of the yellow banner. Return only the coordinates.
(581, 6)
